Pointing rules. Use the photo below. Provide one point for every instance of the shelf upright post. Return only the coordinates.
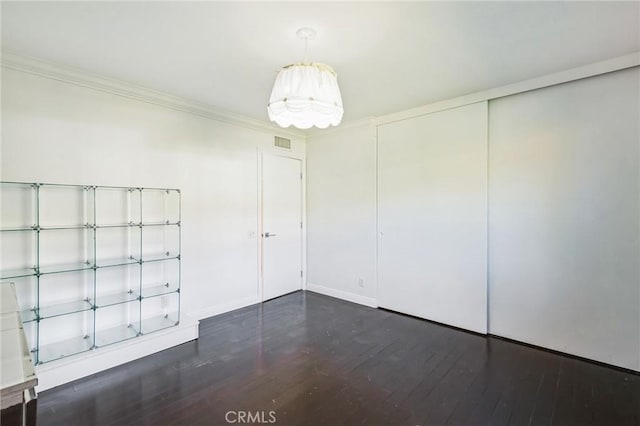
(165, 232)
(95, 262)
(129, 221)
(179, 250)
(36, 187)
(140, 266)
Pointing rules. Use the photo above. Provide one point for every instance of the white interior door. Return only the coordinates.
(281, 225)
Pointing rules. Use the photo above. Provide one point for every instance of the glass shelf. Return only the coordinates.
(68, 267)
(160, 205)
(115, 335)
(63, 250)
(65, 335)
(117, 206)
(64, 348)
(115, 244)
(160, 242)
(117, 225)
(19, 254)
(119, 261)
(157, 257)
(159, 278)
(63, 227)
(28, 315)
(92, 265)
(29, 228)
(160, 312)
(65, 206)
(114, 323)
(64, 309)
(158, 290)
(167, 223)
(116, 299)
(19, 205)
(26, 289)
(160, 322)
(17, 273)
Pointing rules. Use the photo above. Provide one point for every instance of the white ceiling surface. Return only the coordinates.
(389, 56)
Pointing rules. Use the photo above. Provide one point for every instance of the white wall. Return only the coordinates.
(564, 217)
(564, 213)
(58, 132)
(341, 215)
(432, 216)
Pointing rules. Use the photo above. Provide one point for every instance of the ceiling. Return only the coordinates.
(389, 56)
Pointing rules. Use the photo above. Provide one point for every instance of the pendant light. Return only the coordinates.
(306, 94)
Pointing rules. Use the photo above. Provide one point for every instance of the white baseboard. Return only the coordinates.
(85, 364)
(344, 295)
(222, 308)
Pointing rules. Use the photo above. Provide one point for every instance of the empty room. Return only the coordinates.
(320, 213)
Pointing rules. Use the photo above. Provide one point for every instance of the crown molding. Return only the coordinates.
(78, 77)
(603, 67)
(67, 74)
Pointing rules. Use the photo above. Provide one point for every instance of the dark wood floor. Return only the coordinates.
(315, 360)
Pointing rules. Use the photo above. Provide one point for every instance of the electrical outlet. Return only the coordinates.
(361, 282)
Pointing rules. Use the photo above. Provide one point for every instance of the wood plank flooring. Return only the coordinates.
(309, 359)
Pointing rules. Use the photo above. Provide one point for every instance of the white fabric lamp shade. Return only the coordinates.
(306, 95)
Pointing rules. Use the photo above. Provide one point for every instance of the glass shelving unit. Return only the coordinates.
(92, 265)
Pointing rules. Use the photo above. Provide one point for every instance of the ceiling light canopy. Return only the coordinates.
(306, 94)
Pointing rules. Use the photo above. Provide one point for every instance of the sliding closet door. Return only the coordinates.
(432, 216)
(564, 217)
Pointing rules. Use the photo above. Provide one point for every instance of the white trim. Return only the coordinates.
(85, 364)
(83, 78)
(259, 227)
(344, 295)
(303, 170)
(303, 216)
(591, 70)
(222, 308)
(374, 136)
(487, 177)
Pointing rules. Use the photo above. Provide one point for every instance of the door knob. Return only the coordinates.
(267, 235)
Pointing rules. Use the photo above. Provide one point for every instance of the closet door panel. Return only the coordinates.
(432, 216)
(564, 217)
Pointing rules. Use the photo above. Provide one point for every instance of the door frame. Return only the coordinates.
(261, 153)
